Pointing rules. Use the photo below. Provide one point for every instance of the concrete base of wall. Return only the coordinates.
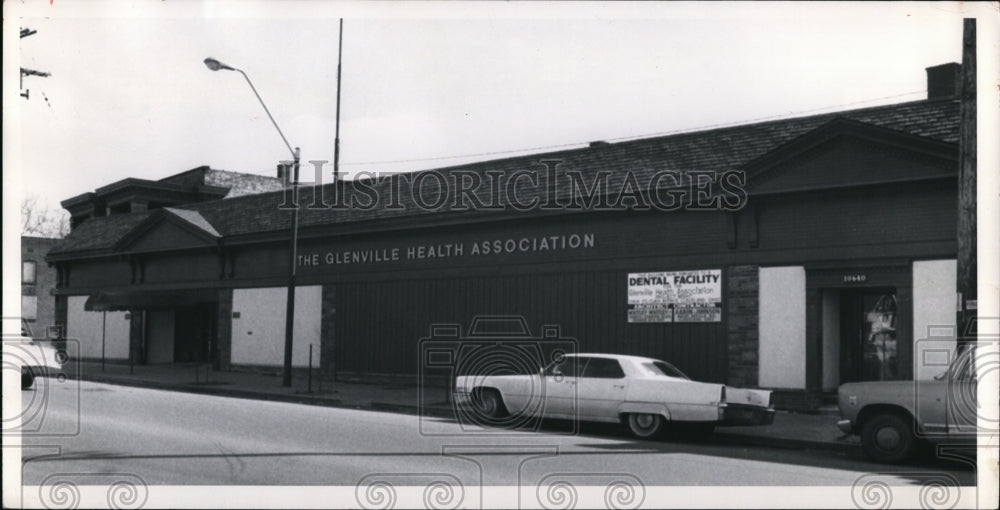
(273, 370)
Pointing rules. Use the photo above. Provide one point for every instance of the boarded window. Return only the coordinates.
(29, 307)
(28, 271)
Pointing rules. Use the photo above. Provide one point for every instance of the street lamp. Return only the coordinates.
(286, 374)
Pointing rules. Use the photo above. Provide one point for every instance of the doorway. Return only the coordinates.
(194, 333)
(869, 347)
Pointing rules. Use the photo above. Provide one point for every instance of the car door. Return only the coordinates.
(560, 388)
(601, 389)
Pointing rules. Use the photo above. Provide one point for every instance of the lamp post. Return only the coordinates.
(286, 373)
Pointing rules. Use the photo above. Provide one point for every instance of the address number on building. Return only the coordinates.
(855, 278)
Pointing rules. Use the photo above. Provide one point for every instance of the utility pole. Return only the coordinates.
(25, 32)
(966, 260)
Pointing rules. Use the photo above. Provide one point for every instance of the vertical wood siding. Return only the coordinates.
(379, 324)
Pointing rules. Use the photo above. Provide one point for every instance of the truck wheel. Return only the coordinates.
(27, 379)
(646, 426)
(488, 404)
(888, 438)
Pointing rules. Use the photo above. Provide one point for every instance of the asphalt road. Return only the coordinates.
(165, 437)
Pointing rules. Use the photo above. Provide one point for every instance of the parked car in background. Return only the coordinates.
(644, 393)
(36, 357)
(893, 417)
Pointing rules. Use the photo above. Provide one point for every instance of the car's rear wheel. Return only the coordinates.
(888, 438)
(27, 379)
(488, 404)
(645, 425)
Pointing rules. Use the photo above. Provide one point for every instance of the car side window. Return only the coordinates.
(566, 367)
(604, 368)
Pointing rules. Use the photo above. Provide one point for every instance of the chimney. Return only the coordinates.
(944, 81)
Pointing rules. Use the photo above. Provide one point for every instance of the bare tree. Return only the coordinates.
(40, 220)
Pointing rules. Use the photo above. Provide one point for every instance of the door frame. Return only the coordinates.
(858, 274)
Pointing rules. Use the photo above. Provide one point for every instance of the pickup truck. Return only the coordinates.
(893, 417)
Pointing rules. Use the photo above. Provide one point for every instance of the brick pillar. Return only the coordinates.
(327, 352)
(224, 325)
(742, 315)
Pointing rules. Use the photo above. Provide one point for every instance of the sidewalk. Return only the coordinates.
(789, 430)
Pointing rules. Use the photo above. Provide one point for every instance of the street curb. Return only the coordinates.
(724, 437)
(447, 413)
(785, 443)
(218, 391)
(433, 412)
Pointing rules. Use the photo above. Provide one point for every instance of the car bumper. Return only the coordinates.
(737, 415)
(846, 426)
(461, 398)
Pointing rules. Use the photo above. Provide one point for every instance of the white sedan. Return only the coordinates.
(646, 394)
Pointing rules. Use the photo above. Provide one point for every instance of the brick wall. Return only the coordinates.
(742, 312)
(34, 249)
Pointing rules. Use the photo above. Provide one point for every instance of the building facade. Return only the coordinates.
(794, 255)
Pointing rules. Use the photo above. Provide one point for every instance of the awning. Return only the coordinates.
(135, 300)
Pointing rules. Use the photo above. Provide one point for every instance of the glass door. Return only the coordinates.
(869, 346)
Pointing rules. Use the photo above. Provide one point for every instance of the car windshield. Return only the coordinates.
(663, 368)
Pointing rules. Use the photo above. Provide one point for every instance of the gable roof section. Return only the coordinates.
(195, 218)
(844, 152)
(178, 231)
(934, 122)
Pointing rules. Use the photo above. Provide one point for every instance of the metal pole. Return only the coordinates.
(336, 139)
(309, 376)
(104, 331)
(286, 375)
(268, 113)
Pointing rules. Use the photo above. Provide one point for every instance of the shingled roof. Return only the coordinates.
(718, 150)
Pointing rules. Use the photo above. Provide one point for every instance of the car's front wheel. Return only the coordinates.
(888, 438)
(646, 426)
(27, 379)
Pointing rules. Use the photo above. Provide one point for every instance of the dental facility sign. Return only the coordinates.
(675, 296)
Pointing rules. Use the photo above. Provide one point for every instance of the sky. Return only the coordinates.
(129, 95)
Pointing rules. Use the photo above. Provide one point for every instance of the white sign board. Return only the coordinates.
(675, 296)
